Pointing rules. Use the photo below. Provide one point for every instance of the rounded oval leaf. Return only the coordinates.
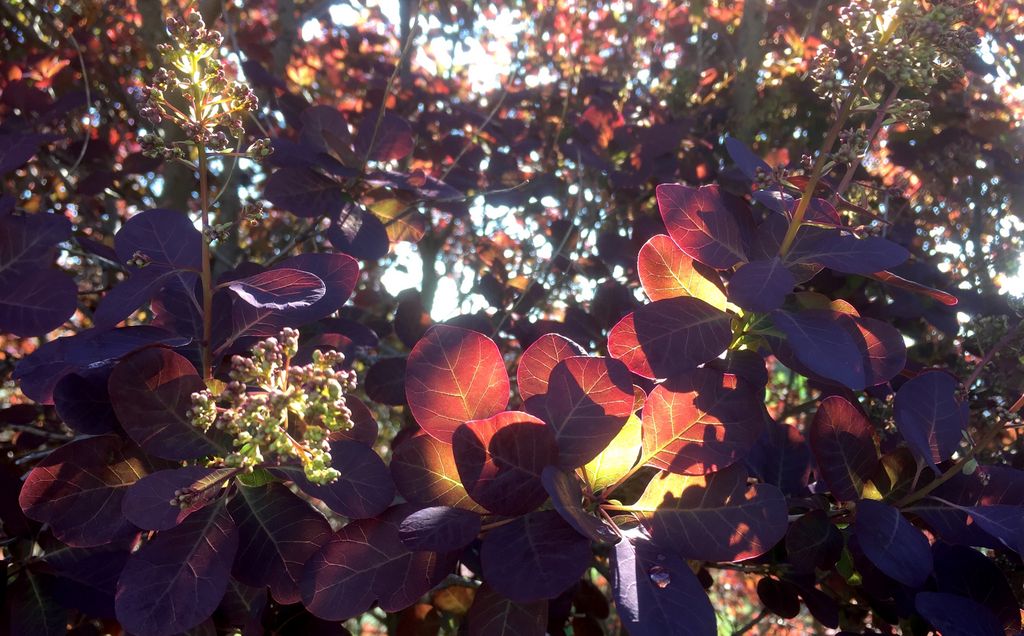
(491, 614)
(538, 361)
(78, 490)
(761, 285)
(667, 272)
(454, 375)
(178, 579)
(700, 422)
(149, 502)
(534, 557)
(439, 528)
(700, 223)
(281, 288)
(896, 547)
(930, 416)
(424, 471)
(843, 448)
(151, 392)
(669, 337)
(715, 517)
(500, 461)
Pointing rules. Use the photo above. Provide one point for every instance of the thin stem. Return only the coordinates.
(833, 134)
(207, 273)
(876, 125)
(952, 471)
(752, 623)
(1007, 337)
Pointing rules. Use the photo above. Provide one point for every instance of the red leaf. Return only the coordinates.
(424, 471)
(667, 272)
(840, 439)
(698, 221)
(587, 402)
(454, 375)
(539, 359)
(669, 337)
(701, 422)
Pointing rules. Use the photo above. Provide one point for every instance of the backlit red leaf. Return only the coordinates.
(539, 360)
(667, 272)
(454, 375)
(425, 473)
(700, 422)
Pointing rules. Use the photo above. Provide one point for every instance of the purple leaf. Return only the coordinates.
(539, 360)
(305, 192)
(282, 288)
(761, 285)
(840, 438)
(715, 517)
(364, 562)
(854, 351)
(151, 392)
(358, 234)
(669, 337)
(364, 488)
(967, 572)
(177, 580)
(454, 375)
(383, 138)
(167, 237)
(39, 373)
(782, 457)
(892, 544)
(37, 302)
(277, 533)
(567, 498)
(534, 557)
(17, 148)
(37, 612)
(148, 501)
(656, 592)
(491, 614)
(326, 130)
(385, 381)
(500, 461)
(588, 400)
(701, 225)
(78, 489)
(1004, 522)
(813, 542)
(930, 416)
(700, 422)
(83, 402)
(847, 253)
(955, 615)
(440, 529)
(122, 301)
(364, 427)
(87, 577)
(745, 159)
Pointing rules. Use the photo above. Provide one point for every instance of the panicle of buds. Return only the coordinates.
(277, 412)
(194, 92)
(139, 259)
(253, 212)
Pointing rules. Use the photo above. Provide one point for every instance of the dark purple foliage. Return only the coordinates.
(895, 546)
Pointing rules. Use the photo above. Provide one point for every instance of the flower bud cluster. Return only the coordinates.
(194, 92)
(253, 212)
(277, 412)
(925, 43)
(852, 144)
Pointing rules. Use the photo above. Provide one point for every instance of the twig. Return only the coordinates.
(875, 127)
(752, 623)
(1007, 337)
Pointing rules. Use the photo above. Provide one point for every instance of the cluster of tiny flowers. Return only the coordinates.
(770, 178)
(279, 413)
(195, 79)
(139, 259)
(925, 44)
(852, 144)
(253, 212)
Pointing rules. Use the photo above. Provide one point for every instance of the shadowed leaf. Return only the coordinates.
(494, 615)
(539, 360)
(439, 528)
(930, 417)
(567, 498)
(701, 225)
(840, 438)
(148, 502)
(761, 285)
(892, 544)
